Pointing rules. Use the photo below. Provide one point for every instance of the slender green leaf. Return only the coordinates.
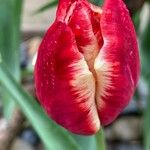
(10, 34)
(46, 6)
(10, 14)
(53, 136)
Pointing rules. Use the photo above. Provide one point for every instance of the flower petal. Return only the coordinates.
(117, 64)
(64, 84)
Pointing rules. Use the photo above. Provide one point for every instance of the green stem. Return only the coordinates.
(100, 138)
(86, 142)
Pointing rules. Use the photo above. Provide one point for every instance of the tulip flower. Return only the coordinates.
(88, 65)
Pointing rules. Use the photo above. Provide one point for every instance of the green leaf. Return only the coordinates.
(53, 136)
(8, 103)
(10, 14)
(10, 34)
(46, 6)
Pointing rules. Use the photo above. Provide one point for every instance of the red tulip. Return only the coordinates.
(88, 65)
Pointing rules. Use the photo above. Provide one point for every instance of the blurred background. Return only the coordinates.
(23, 123)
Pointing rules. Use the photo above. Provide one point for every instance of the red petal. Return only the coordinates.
(63, 8)
(64, 85)
(117, 64)
(81, 25)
